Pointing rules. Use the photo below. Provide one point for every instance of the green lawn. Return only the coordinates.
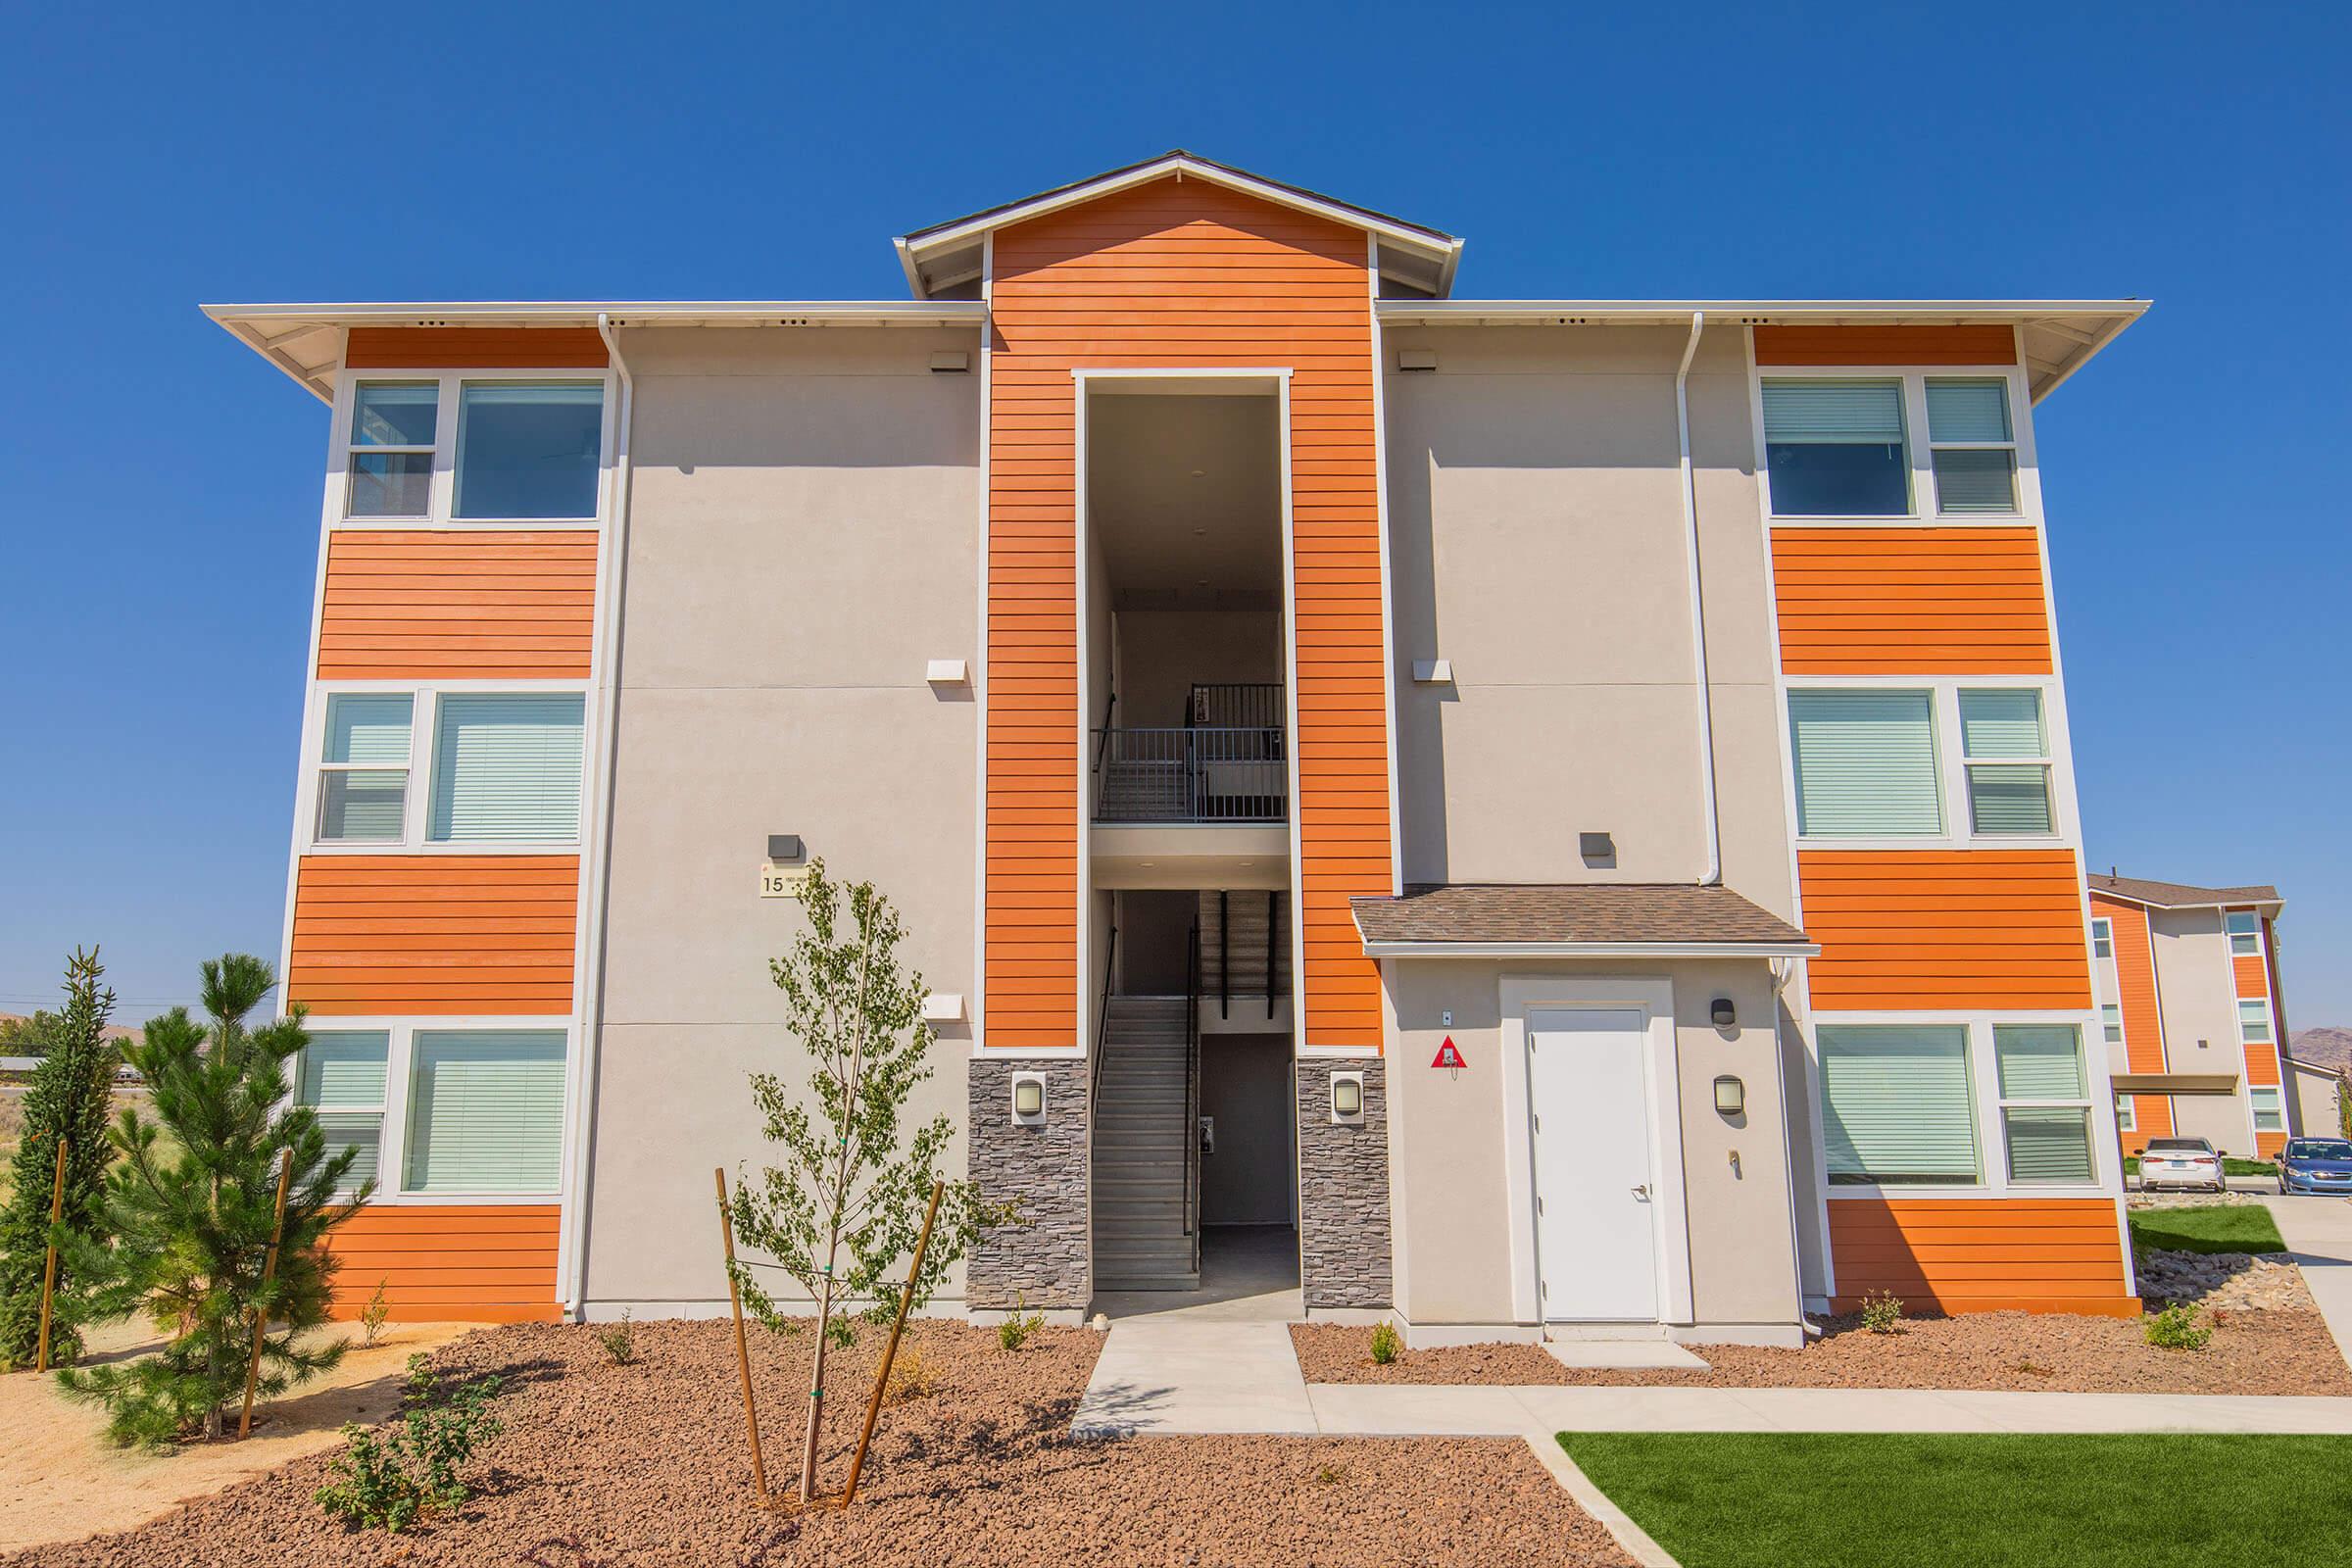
(1910, 1500)
(2237, 1228)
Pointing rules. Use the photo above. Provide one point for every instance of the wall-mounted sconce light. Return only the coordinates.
(1028, 1100)
(951, 362)
(1723, 1012)
(943, 1007)
(1348, 1099)
(1432, 671)
(946, 672)
(1596, 845)
(1416, 359)
(1730, 1096)
(785, 846)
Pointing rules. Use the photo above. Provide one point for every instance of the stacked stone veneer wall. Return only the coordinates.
(1343, 1190)
(1045, 1261)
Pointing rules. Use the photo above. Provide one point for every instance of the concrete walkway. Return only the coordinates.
(2318, 1232)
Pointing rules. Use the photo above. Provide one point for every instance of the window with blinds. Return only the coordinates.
(1865, 765)
(2045, 1103)
(507, 768)
(2270, 1116)
(486, 1112)
(2007, 749)
(1896, 1104)
(1835, 449)
(364, 770)
(1972, 448)
(340, 1075)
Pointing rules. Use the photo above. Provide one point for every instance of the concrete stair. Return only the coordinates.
(1140, 1149)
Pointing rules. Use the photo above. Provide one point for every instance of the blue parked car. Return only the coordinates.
(2316, 1166)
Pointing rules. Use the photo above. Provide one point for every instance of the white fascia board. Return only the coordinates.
(1503, 313)
(1592, 950)
(623, 313)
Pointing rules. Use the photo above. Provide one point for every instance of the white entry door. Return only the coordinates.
(1597, 1234)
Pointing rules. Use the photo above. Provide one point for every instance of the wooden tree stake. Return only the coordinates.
(890, 1351)
(261, 1313)
(743, 1355)
(57, 1212)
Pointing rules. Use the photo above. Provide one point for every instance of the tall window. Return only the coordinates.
(1972, 447)
(2111, 1023)
(1865, 764)
(2045, 1103)
(2127, 1114)
(364, 771)
(507, 768)
(1896, 1104)
(341, 1077)
(2007, 749)
(486, 1111)
(393, 426)
(2102, 938)
(529, 450)
(2254, 1021)
(2246, 932)
(1835, 449)
(2269, 1115)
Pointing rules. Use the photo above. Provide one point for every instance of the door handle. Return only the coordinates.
(1642, 1191)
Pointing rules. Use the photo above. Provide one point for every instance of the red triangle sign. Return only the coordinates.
(1448, 1054)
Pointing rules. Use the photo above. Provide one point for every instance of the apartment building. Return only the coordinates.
(1545, 816)
(2189, 1009)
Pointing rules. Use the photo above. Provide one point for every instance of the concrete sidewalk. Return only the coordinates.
(2318, 1232)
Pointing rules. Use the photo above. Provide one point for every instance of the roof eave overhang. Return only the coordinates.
(1592, 950)
(2273, 905)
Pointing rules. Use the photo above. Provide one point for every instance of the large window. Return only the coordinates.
(2246, 932)
(486, 1112)
(341, 1076)
(2045, 1103)
(1836, 449)
(2269, 1116)
(1865, 764)
(364, 770)
(1972, 447)
(1897, 1104)
(468, 449)
(2254, 1021)
(507, 768)
(2007, 751)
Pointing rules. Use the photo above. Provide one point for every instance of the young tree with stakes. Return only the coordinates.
(193, 1203)
(68, 1099)
(854, 1179)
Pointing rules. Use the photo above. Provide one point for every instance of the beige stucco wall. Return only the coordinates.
(1538, 544)
(2315, 1101)
(2197, 989)
(1447, 1132)
(804, 538)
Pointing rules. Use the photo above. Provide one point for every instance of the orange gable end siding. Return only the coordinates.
(467, 1263)
(470, 348)
(2144, 1021)
(1910, 929)
(1910, 601)
(434, 934)
(1179, 274)
(1977, 1254)
(1994, 344)
(405, 605)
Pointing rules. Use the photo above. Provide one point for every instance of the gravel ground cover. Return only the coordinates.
(2251, 1353)
(605, 1466)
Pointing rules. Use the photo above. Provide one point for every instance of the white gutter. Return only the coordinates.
(620, 313)
(1592, 950)
(598, 874)
(1699, 618)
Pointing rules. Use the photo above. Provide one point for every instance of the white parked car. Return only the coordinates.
(2180, 1162)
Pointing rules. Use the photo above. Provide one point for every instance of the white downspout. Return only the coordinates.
(1698, 620)
(598, 844)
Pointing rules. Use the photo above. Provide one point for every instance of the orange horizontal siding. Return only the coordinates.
(1910, 601)
(422, 605)
(2253, 978)
(469, 348)
(434, 934)
(1981, 1254)
(1887, 345)
(1919, 929)
(2144, 1019)
(462, 1262)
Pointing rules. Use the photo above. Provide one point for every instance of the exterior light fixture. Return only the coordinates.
(1028, 1100)
(784, 846)
(1723, 1012)
(1348, 1099)
(1730, 1096)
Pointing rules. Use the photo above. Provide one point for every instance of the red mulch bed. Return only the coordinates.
(602, 1466)
(2250, 1352)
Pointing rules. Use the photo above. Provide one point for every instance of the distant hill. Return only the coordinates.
(2323, 1047)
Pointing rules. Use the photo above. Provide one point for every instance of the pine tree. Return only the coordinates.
(70, 1097)
(192, 1201)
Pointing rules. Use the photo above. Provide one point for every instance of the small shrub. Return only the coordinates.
(2176, 1329)
(1883, 1313)
(386, 1478)
(619, 1340)
(1020, 1325)
(2033, 1369)
(372, 1316)
(1330, 1475)
(910, 1376)
(1386, 1344)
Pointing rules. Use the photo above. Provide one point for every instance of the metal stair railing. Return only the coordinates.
(1191, 1093)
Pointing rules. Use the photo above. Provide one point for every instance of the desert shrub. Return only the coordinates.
(2176, 1329)
(910, 1376)
(386, 1478)
(1883, 1313)
(619, 1340)
(1020, 1325)
(372, 1316)
(1386, 1343)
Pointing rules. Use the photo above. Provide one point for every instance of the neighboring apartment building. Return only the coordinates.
(2195, 1029)
(1557, 813)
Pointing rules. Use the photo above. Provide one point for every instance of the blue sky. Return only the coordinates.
(160, 504)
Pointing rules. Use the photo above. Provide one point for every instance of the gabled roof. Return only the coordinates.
(945, 255)
(2181, 894)
(1565, 918)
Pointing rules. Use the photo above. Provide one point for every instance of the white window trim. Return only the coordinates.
(2091, 1082)
(424, 730)
(2122, 1030)
(2254, 1113)
(2229, 938)
(440, 512)
(1992, 1143)
(1918, 448)
(381, 1111)
(2126, 1113)
(2097, 922)
(1959, 828)
(2269, 1022)
(400, 1057)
